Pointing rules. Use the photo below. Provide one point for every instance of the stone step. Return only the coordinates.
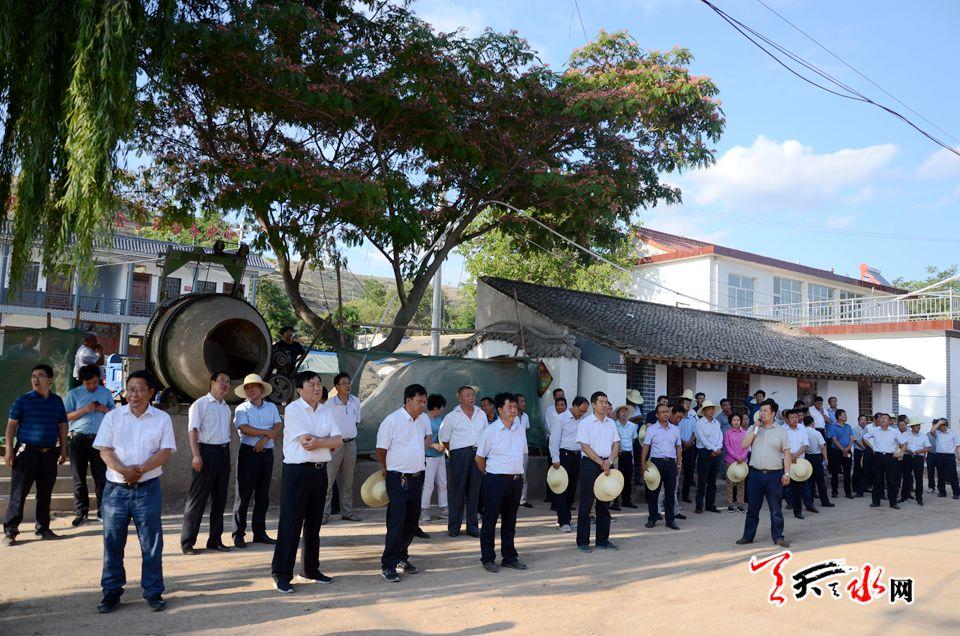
(60, 505)
(63, 485)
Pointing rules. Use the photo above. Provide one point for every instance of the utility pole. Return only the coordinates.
(435, 323)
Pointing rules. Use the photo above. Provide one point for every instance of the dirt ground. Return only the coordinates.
(692, 581)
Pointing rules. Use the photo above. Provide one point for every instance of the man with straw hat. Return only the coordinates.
(688, 427)
(917, 448)
(709, 457)
(258, 422)
(887, 444)
(500, 459)
(599, 446)
(946, 452)
(798, 493)
(662, 447)
(402, 440)
(309, 435)
(565, 453)
(770, 461)
(628, 434)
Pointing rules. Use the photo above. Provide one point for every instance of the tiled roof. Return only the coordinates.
(534, 343)
(667, 334)
(679, 247)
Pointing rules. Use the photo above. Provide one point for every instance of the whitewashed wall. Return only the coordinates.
(847, 396)
(782, 390)
(691, 277)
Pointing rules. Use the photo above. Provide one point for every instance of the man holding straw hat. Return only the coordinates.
(599, 446)
(662, 447)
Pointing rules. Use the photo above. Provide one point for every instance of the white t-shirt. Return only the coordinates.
(816, 441)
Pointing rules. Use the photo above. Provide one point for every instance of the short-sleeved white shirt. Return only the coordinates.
(460, 431)
(402, 437)
(599, 435)
(211, 419)
(916, 441)
(346, 415)
(300, 419)
(503, 448)
(135, 439)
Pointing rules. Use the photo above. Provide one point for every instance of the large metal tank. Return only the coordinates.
(195, 335)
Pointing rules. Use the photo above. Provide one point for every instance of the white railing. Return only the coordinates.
(863, 310)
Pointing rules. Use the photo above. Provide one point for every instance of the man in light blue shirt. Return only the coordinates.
(86, 405)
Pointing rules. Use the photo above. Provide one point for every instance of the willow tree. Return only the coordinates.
(68, 71)
(330, 124)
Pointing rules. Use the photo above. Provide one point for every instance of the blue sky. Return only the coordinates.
(801, 174)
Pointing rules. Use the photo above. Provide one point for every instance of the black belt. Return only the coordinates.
(316, 465)
(135, 485)
(347, 441)
(666, 459)
(765, 470)
(879, 453)
(506, 476)
(399, 474)
(39, 449)
(75, 434)
(215, 445)
(564, 450)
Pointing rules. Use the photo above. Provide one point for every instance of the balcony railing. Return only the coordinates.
(862, 310)
(90, 304)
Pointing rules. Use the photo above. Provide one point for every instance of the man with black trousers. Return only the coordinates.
(662, 446)
(86, 405)
(917, 448)
(402, 441)
(310, 434)
(500, 454)
(770, 460)
(862, 457)
(688, 427)
(38, 422)
(565, 451)
(258, 422)
(840, 444)
(599, 444)
(460, 433)
(945, 445)
(709, 457)
(209, 429)
(887, 444)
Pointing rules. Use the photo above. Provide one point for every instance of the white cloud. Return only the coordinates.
(450, 16)
(940, 165)
(839, 222)
(867, 193)
(681, 224)
(784, 174)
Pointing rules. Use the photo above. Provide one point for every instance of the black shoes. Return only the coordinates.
(407, 567)
(47, 534)
(282, 586)
(317, 577)
(156, 603)
(239, 543)
(713, 509)
(420, 534)
(219, 547)
(895, 506)
(673, 526)
(513, 565)
(679, 515)
(471, 533)
(814, 510)
(491, 567)
(829, 504)
(453, 533)
(650, 524)
(189, 549)
(698, 511)
(527, 504)
(265, 540)
(799, 515)
(390, 575)
(742, 541)
(108, 603)
(874, 505)
(607, 546)
(78, 521)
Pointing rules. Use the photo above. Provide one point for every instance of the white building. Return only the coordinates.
(918, 332)
(119, 302)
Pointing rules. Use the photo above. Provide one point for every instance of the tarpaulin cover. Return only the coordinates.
(385, 375)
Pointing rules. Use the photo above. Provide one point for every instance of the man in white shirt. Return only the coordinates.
(709, 457)
(599, 446)
(345, 409)
(500, 456)
(310, 434)
(819, 415)
(460, 433)
(135, 441)
(209, 429)
(946, 457)
(797, 493)
(524, 421)
(818, 458)
(547, 420)
(887, 445)
(862, 477)
(402, 441)
(86, 354)
(662, 446)
(565, 451)
(917, 447)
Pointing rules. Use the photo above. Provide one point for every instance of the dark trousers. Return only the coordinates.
(840, 463)
(905, 477)
(707, 469)
(931, 471)
(625, 464)
(589, 471)
(254, 472)
(570, 460)
(819, 476)
(885, 471)
(689, 458)
(501, 498)
(30, 465)
(83, 454)
(211, 482)
(913, 477)
(403, 516)
(668, 481)
(798, 493)
(946, 473)
(464, 489)
(862, 470)
(764, 485)
(302, 497)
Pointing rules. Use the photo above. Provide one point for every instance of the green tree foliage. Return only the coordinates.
(934, 275)
(68, 73)
(330, 124)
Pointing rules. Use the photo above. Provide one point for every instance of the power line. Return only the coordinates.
(850, 93)
(576, 6)
(845, 63)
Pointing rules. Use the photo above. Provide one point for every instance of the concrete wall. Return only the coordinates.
(691, 277)
(783, 390)
(883, 398)
(711, 383)
(847, 396)
(593, 379)
(661, 382)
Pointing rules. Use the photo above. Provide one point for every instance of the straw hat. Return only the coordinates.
(651, 477)
(801, 470)
(737, 472)
(616, 411)
(707, 404)
(557, 479)
(641, 433)
(374, 491)
(253, 378)
(635, 397)
(916, 421)
(687, 395)
(608, 487)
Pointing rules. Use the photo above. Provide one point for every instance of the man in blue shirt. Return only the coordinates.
(86, 406)
(840, 448)
(38, 422)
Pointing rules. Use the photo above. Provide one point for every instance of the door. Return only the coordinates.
(140, 295)
(59, 293)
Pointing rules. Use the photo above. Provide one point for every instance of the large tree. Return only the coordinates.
(329, 124)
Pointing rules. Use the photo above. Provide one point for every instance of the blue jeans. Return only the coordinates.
(764, 485)
(142, 504)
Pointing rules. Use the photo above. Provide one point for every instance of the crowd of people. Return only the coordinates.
(797, 456)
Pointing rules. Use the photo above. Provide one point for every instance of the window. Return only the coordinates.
(806, 390)
(820, 298)
(171, 288)
(851, 305)
(865, 397)
(25, 292)
(786, 291)
(674, 381)
(741, 291)
(228, 289)
(738, 390)
(206, 287)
